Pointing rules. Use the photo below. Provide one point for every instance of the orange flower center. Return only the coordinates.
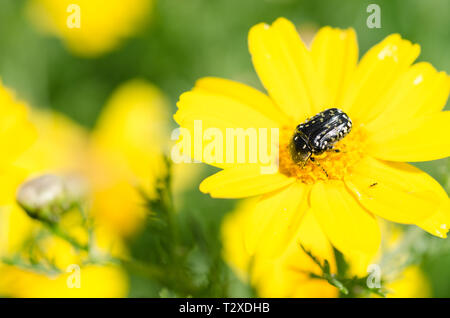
(330, 165)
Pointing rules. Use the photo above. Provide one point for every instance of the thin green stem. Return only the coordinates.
(57, 231)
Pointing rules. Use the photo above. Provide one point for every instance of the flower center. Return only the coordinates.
(330, 165)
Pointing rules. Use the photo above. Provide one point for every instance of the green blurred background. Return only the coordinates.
(184, 40)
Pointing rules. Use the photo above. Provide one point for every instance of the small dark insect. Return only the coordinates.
(373, 184)
(319, 134)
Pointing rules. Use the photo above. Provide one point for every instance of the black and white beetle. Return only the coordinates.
(319, 134)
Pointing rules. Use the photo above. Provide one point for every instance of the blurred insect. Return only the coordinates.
(319, 134)
(373, 184)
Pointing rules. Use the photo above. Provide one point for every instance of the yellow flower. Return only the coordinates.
(16, 135)
(389, 266)
(395, 107)
(15, 227)
(60, 148)
(102, 24)
(94, 280)
(126, 155)
(411, 283)
(122, 156)
(284, 276)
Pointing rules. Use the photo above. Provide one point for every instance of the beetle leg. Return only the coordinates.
(306, 160)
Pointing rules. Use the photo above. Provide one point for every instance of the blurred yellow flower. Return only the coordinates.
(126, 155)
(411, 283)
(396, 112)
(284, 276)
(15, 227)
(102, 24)
(94, 280)
(401, 281)
(60, 148)
(16, 135)
(120, 158)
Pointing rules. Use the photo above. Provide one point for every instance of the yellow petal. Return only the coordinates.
(418, 92)
(96, 281)
(15, 228)
(377, 71)
(420, 139)
(275, 220)
(203, 112)
(409, 283)
(233, 228)
(312, 237)
(60, 147)
(243, 93)
(126, 155)
(130, 136)
(243, 181)
(439, 223)
(289, 275)
(134, 116)
(348, 226)
(220, 110)
(16, 131)
(24, 136)
(285, 68)
(335, 55)
(10, 179)
(284, 276)
(397, 192)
